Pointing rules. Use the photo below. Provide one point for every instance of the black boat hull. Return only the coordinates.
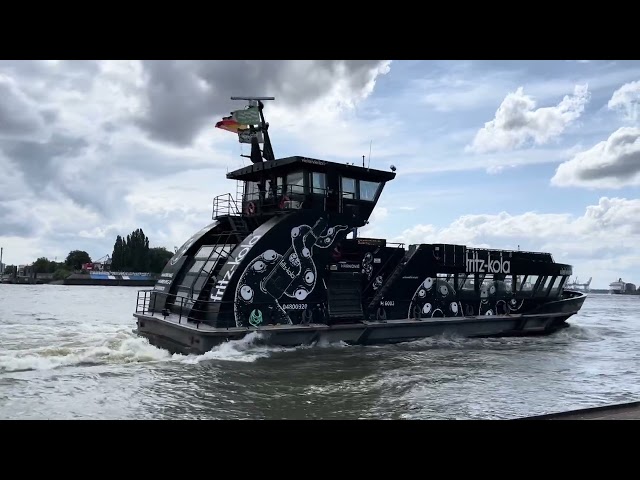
(186, 337)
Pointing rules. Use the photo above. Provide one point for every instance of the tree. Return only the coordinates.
(44, 265)
(117, 257)
(76, 258)
(132, 253)
(158, 258)
(61, 274)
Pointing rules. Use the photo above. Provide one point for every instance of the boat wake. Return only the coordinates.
(126, 348)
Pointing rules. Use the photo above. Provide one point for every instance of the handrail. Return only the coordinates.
(186, 306)
(224, 205)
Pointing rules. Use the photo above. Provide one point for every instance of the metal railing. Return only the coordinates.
(188, 309)
(224, 205)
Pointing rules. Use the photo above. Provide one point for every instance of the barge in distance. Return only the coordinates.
(276, 260)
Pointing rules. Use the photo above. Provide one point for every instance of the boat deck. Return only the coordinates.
(623, 411)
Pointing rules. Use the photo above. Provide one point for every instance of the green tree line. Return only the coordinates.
(133, 254)
(130, 254)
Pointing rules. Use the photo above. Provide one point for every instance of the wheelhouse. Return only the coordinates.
(274, 187)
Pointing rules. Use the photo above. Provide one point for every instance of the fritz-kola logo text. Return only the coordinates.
(232, 263)
(475, 264)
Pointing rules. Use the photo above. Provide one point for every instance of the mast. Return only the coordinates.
(267, 152)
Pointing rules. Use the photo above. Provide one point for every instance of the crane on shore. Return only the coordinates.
(576, 285)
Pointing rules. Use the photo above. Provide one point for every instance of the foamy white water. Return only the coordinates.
(69, 352)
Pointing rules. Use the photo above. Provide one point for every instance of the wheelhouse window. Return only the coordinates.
(251, 191)
(295, 182)
(368, 190)
(348, 186)
(318, 182)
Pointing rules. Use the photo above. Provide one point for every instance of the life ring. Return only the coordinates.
(417, 312)
(251, 208)
(283, 200)
(381, 314)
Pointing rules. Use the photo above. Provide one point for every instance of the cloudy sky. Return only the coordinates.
(540, 154)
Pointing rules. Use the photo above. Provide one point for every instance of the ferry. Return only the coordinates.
(282, 259)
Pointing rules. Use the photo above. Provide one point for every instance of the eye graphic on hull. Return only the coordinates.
(259, 266)
(270, 255)
(426, 309)
(301, 294)
(428, 283)
(422, 293)
(306, 253)
(246, 292)
(454, 308)
(444, 290)
(295, 231)
(309, 277)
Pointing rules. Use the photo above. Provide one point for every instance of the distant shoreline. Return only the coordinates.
(89, 279)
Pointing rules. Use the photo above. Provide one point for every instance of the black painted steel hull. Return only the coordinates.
(191, 338)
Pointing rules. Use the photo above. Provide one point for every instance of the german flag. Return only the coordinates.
(229, 124)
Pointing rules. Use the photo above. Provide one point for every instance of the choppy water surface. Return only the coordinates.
(68, 352)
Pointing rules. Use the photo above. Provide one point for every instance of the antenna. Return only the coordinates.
(253, 98)
(362, 161)
(370, 143)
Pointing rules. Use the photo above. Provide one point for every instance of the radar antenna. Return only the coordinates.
(267, 153)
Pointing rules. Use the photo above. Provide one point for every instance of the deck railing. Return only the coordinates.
(224, 205)
(188, 309)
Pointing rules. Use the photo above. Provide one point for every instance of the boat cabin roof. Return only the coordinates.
(256, 171)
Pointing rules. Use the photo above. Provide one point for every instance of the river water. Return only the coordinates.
(67, 352)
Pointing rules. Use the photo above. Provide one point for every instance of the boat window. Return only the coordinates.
(204, 252)
(368, 190)
(469, 283)
(251, 191)
(279, 182)
(446, 277)
(520, 281)
(555, 289)
(348, 187)
(197, 266)
(295, 182)
(209, 265)
(318, 182)
(529, 283)
(268, 186)
(545, 281)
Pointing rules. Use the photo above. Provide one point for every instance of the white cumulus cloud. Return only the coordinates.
(612, 163)
(518, 121)
(627, 100)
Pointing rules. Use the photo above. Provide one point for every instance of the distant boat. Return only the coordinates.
(623, 288)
